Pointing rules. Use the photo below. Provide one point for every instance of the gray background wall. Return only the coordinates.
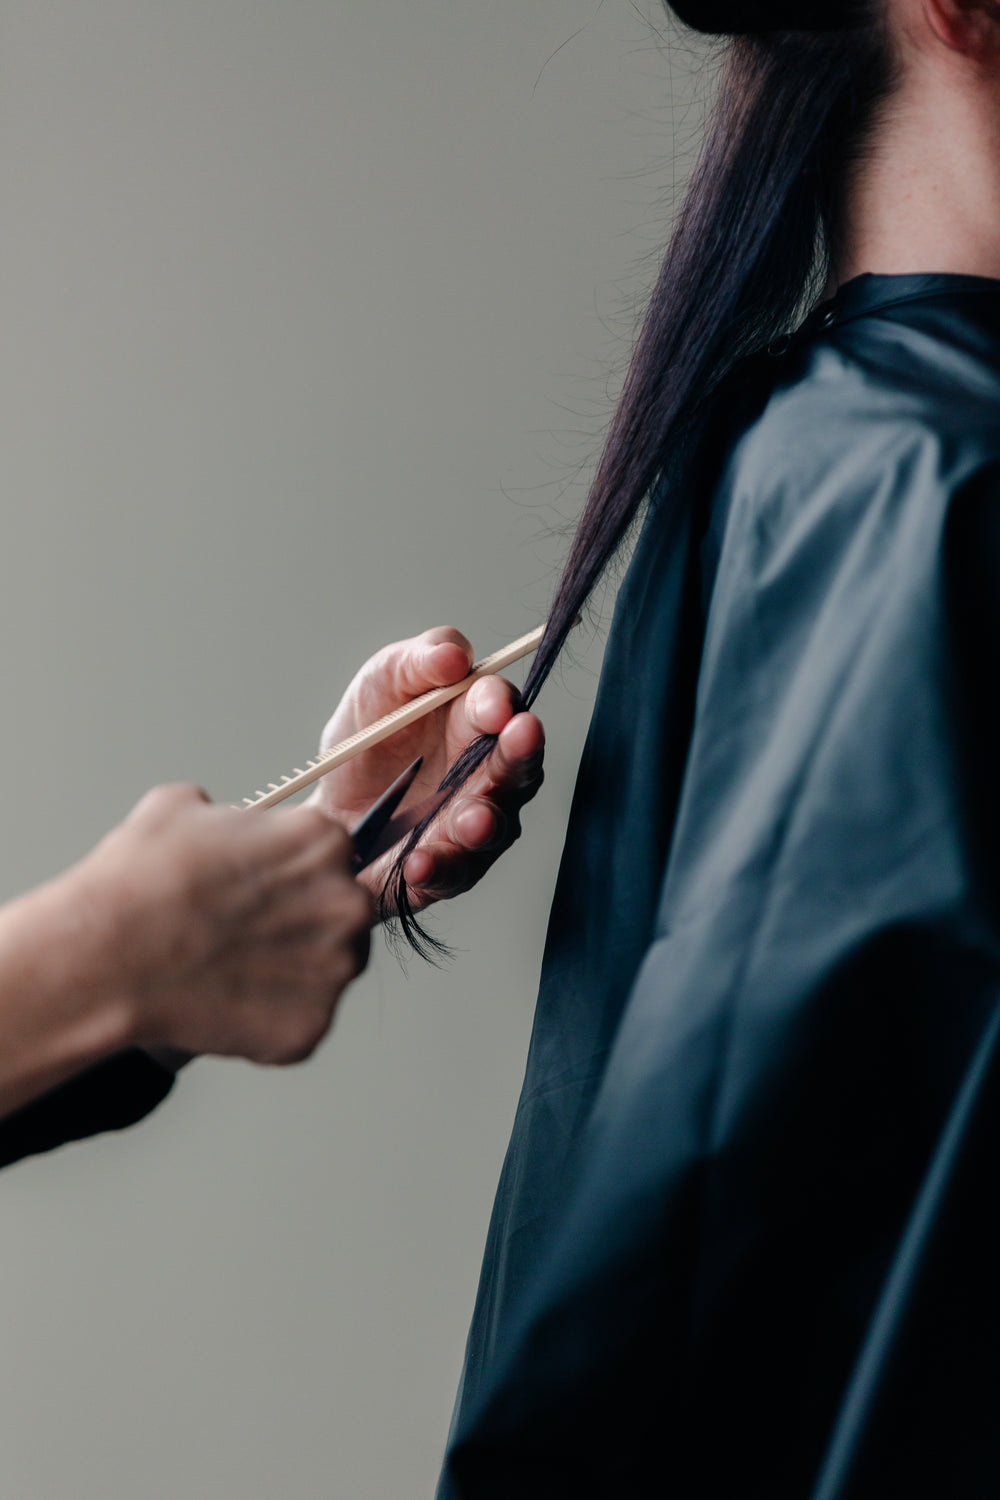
(307, 317)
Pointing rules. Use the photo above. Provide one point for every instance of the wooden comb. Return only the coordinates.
(407, 713)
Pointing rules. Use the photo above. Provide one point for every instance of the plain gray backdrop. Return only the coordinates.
(311, 318)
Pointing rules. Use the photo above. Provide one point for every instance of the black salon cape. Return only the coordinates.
(110, 1096)
(747, 1237)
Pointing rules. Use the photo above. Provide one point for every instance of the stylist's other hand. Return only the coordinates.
(223, 931)
(484, 818)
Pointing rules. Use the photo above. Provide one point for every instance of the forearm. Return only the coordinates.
(58, 1014)
(189, 929)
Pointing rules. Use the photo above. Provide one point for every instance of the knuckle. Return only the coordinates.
(532, 787)
(168, 798)
(350, 941)
(315, 823)
(390, 668)
(384, 657)
(185, 794)
(302, 1033)
(500, 837)
(331, 837)
(341, 965)
(528, 775)
(361, 908)
(342, 933)
(380, 668)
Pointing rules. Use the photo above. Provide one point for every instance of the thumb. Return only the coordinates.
(437, 658)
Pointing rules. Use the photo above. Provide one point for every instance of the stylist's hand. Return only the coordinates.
(223, 931)
(483, 820)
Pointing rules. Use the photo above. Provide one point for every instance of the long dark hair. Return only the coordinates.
(753, 247)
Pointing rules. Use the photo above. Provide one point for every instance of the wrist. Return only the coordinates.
(60, 1009)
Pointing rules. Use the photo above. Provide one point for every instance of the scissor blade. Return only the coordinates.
(404, 822)
(367, 835)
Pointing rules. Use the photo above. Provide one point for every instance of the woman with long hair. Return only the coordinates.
(744, 1241)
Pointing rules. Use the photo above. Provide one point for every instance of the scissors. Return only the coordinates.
(375, 833)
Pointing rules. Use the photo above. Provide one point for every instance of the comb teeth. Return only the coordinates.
(404, 714)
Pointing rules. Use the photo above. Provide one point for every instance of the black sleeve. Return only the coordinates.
(115, 1093)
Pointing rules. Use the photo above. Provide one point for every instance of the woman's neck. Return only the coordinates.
(926, 195)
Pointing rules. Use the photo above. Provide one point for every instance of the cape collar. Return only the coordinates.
(871, 293)
(975, 299)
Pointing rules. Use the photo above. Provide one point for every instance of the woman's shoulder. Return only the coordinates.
(908, 394)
